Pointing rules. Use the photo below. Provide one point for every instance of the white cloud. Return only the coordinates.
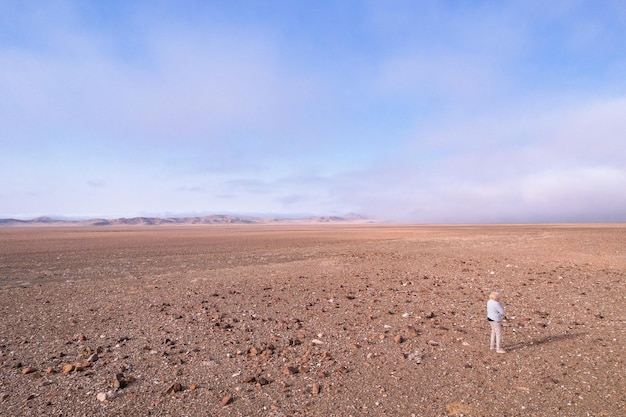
(189, 87)
(542, 164)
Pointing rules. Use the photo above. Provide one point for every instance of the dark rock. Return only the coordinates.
(290, 370)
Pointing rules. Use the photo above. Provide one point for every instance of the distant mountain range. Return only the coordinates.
(201, 220)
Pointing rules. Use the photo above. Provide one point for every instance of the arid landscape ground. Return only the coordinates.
(312, 320)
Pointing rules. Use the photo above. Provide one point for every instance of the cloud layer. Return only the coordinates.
(402, 111)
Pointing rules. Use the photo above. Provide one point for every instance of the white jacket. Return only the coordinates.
(495, 311)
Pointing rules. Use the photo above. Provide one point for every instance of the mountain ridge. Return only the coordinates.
(186, 220)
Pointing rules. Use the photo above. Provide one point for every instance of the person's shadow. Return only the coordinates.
(544, 340)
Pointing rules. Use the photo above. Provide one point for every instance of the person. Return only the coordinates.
(495, 314)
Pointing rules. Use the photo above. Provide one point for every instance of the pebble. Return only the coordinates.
(80, 366)
(174, 388)
(227, 400)
(118, 381)
(249, 380)
(28, 370)
(549, 380)
(105, 396)
(290, 370)
(415, 356)
(67, 368)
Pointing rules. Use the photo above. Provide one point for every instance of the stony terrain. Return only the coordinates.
(312, 321)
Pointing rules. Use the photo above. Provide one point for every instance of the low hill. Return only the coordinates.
(199, 220)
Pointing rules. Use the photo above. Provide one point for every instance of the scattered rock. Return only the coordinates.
(412, 331)
(415, 356)
(261, 381)
(119, 382)
(174, 388)
(581, 359)
(81, 366)
(549, 380)
(106, 396)
(28, 370)
(290, 370)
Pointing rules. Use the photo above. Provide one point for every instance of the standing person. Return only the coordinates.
(495, 313)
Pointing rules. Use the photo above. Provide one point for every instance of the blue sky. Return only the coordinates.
(404, 111)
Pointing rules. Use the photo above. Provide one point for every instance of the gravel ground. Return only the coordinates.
(312, 320)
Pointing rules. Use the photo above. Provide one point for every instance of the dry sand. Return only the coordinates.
(312, 321)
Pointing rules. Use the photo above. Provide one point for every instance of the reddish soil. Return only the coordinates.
(312, 321)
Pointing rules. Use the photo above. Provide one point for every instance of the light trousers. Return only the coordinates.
(496, 334)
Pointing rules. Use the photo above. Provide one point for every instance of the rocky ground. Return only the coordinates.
(312, 321)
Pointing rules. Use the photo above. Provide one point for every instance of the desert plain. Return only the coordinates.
(312, 320)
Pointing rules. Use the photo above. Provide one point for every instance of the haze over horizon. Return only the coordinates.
(402, 111)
